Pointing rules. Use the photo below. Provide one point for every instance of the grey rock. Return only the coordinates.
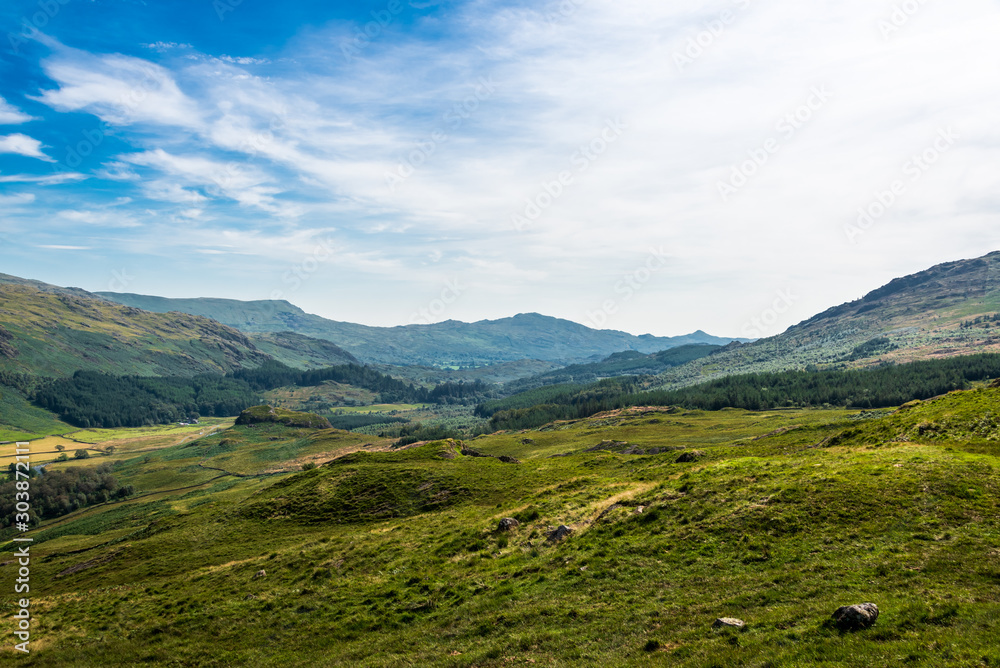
(561, 532)
(856, 617)
(508, 524)
(691, 456)
(728, 623)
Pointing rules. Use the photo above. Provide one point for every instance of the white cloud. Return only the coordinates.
(20, 144)
(121, 90)
(11, 115)
(312, 143)
(49, 180)
(16, 200)
(60, 247)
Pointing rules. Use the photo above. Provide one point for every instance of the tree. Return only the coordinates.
(60, 448)
(81, 454)
(110, 450)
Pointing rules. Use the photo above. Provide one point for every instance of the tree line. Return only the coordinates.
(881, 387)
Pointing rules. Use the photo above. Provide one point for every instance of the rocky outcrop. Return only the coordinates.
(856, 617)
(508, 524)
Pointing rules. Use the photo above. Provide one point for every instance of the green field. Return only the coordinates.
(384, 557)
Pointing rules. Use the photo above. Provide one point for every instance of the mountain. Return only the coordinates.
(627, 363)
(950, 309)
(451, 343)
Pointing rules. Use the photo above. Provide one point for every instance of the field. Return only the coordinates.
(384, 557)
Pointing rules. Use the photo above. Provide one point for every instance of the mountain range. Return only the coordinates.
(445, 344)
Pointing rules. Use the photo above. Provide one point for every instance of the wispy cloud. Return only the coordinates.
(11, 115)
(20, 144)
(493, 107)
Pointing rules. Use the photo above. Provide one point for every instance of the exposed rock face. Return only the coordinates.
(559, 533)
(856, 617)
(728, 623)
(469, 452)
(508, 524)
(692, 456)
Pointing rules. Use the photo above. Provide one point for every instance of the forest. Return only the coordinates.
(91, 399)
(880, 387)
(58, 493)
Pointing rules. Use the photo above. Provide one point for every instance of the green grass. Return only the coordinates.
(391, 558)
(21, 421)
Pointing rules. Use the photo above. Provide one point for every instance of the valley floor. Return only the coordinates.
(231, 555)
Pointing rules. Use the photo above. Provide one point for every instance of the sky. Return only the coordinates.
(735, 166)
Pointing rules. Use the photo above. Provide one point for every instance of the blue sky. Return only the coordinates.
(733, 165)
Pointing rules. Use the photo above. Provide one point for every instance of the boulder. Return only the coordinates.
(558, 534)
(691, 456)
(508, 524)
(506, 459)
(259, 574)
(856, 617)
(728, 623)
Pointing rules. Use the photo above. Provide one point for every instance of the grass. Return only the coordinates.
(391, 558)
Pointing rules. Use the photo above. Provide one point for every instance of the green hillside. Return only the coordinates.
(51, 334)
(947, 310)
(228, 556)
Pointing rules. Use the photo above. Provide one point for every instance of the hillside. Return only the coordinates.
(50, 333)
(228, 553)
(927, 315)
(451, 343)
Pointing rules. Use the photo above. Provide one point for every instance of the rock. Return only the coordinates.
(249, 597)
(640, 509)
(728, 623)
(561, 532)
(469, 452)
(506, 459)
(995, 384)
(692, 456)
(508, 524)
(856, 617)
(259, 574)
(527, 441)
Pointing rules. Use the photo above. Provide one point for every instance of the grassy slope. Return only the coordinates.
(56, 334)
(20, 420)
(390, 559)
(920, 314)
